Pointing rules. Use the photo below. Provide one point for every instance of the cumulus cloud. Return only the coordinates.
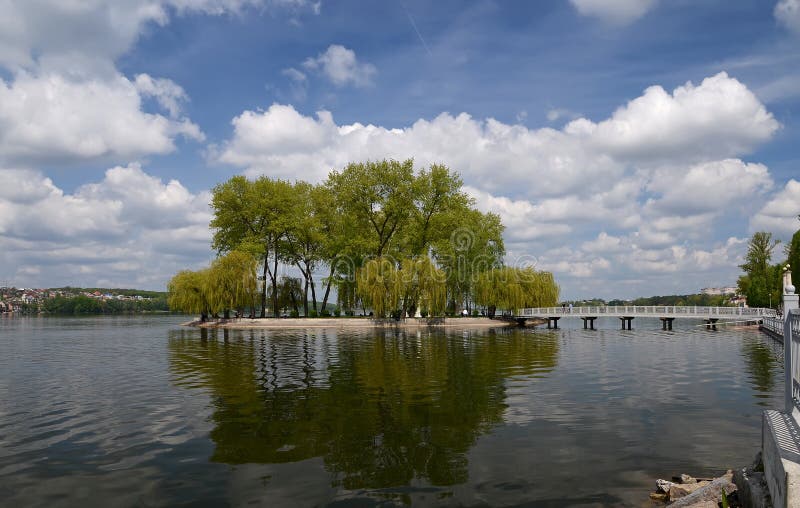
(717, 119)
(616, 12)
(51, 118)
(787, 12)
(128, 229)
(92, 34)
(340, 65)
(780, 214)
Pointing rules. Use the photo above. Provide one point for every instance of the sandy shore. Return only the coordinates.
(333, 322)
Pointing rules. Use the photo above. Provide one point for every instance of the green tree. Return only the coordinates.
(422, 285)
(377, 200)
(187, 293)
(305, 235)
(230, 283)
(254, 217)
(474, 245)
(515, 288)
(794, 257)
(378, 283)
(761, 283)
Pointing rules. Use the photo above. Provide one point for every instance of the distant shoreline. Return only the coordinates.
(350, 322)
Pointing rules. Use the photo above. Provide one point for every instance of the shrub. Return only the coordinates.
(325, 313)
(337, 312)
(475, 313)
(294, 314)
(313, 314)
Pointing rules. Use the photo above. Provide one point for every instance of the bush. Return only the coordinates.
(475, 313)
(294, 314)
(325, 313)
(313, 314)
(423, 313)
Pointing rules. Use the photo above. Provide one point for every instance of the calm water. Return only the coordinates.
(137, 411)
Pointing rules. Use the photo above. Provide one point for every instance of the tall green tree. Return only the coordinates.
(230, 283)
(378, 283)
(473, 246)
(761, 282)
(254, 216)
(511, 288)
(187, 292)
(377, 200)
(305, 236)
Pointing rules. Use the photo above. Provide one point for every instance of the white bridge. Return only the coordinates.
(626, 313)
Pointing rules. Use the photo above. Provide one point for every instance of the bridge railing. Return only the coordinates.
(654, 310)
(773, 324)
(791, 329)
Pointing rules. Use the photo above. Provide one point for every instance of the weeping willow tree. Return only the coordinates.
(378, 284)
(423, 286)
(187, 292)
(514, 288)
(231, 283)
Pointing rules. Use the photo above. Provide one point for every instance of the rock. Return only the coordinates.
(711, 492)
(686, 479)
(677, 491)
(663, 485)
(659, 496)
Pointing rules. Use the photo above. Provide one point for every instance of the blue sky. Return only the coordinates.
(631, 146)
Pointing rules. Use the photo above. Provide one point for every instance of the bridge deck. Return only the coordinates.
(656, 311)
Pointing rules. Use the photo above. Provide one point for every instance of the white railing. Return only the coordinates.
(773, 324)
(791, 328)
(649, 310)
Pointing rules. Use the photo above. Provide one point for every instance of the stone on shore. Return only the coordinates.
(709, 493)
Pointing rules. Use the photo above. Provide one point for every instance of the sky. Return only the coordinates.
(630, 146)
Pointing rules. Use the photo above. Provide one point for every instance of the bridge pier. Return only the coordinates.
(626, 320)
(666, 323)
(711, 324)
(554, 321)
(590, 321)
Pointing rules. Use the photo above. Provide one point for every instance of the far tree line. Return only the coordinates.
(391, 238)
(762, 280)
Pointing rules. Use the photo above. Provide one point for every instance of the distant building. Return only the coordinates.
(728, 290)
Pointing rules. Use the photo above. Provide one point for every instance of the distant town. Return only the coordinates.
(69, 300)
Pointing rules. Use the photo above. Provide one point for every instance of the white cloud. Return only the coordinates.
(717, 119)
(709, 187)
(90, 34)
(780, 214)
(51, 118)
(615, 12)
(787, 12)
(341, 67)
(169, 94)
(128, 229)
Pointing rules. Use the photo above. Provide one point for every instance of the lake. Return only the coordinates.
(139, 411)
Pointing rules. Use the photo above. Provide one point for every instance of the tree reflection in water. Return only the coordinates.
(382, 408)
(763, 361)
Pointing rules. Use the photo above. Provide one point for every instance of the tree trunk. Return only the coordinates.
(327, 289)
(305, 295)
(275, 286)
(264, 287)
(313, 291)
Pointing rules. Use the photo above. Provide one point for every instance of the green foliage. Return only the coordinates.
(378, 283)
(187, 292)
(514, 288)
(375, 210)
(230, 282)
(794, 258)
(698, 300)
(761, 283)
